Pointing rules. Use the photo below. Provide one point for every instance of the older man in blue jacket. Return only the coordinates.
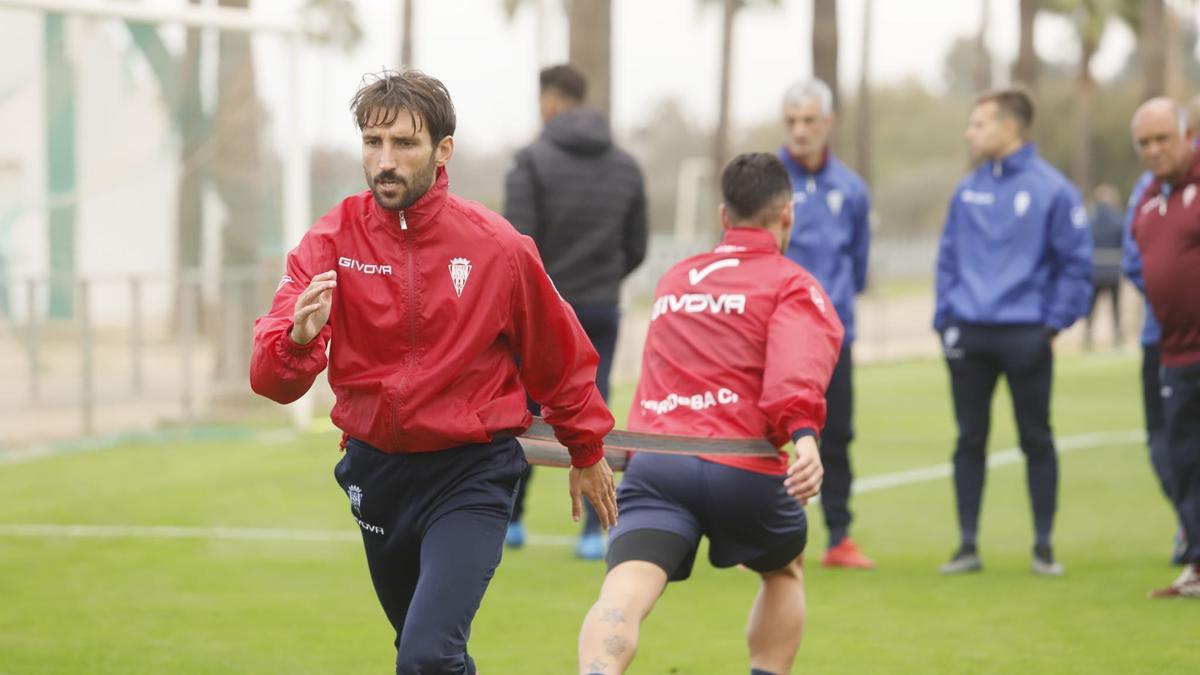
(830, 238)
(1014, 268)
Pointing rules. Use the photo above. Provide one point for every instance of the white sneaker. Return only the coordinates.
(1047, 567)
(1186, 586)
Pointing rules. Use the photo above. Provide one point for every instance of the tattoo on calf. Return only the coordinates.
(615, 645)
(612, 615)
(597, 666)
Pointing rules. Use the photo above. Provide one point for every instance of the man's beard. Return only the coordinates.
(413, 190)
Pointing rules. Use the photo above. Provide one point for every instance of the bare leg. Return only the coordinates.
(777, 619)
(608, 638)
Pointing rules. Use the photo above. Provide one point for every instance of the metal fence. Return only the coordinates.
(140, 352)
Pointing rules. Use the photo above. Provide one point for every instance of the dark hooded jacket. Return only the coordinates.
(583, 201)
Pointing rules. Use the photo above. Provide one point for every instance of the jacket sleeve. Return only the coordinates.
(280, 369)
(861, 246)
(636, 235)
(520, 196)
(1070, 244)
(558, 362)
(804, 339)
(1131, 257)
(947, 268)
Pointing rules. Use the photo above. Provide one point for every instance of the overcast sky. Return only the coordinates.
(664, 48)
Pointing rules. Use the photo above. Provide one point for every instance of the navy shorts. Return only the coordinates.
(749, 518)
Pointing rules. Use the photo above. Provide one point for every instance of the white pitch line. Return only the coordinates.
(869, 484)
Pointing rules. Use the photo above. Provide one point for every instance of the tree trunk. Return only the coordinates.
(1176, 55)
(1084, 89)
(60, 167)
(190, 206)
(1153, 47)
(825, 46)
(1025, 70)
(982, 76)
(590, 48)
(238, 172)
(406, 34)
(721, 147)
(862, 130)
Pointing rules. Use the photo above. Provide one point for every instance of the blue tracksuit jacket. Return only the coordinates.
(831, 235)
(1016, 248)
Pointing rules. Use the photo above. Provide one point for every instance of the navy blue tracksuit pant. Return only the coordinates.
(835, 448)
(433, 528)
(977, 355)
(1181, 402)
(1156, 424)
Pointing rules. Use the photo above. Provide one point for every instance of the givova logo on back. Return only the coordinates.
(699, 303)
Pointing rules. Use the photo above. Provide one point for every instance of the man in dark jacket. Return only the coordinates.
(583, 202)
(1106, 221)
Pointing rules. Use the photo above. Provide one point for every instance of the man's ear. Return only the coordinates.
(444, 150)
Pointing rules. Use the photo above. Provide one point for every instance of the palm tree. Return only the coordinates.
(589, 43)
(60, 163)
(1090, 18)
(825, 46)
(406, 33)
(729, 10)
(1148, 20)
(862, 119)
(983, 62)
(590, 48)
(1025, 70)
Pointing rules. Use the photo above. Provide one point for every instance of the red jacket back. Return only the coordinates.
(742, 344)
(433, 307)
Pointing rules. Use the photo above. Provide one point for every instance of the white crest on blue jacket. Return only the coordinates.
(834, 200)
(1021, 203)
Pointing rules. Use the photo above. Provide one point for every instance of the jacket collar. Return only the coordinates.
(798, 166)
(1191, 176)
(750, 239)
(421, 213)
(1017, 161)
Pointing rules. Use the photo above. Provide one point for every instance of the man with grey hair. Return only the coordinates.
(830, 239)
(1166, 227)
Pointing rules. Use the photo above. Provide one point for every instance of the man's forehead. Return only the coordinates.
(1153, 122)
(401, 121)
(808, 106)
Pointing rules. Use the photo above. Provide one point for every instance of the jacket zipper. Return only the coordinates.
(412, 323)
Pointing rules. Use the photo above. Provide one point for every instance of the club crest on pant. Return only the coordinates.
(460, 269)
(355, 494)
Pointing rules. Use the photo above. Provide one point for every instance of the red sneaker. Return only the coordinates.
(846, 554)
(1186, 586)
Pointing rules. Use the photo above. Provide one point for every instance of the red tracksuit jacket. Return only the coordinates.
(432, 305)
(742, 344)
(1166, 227)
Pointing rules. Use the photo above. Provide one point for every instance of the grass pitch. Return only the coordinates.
(182, 604)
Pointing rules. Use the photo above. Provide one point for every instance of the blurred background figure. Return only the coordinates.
(998, 314)
(831, 239)
(1106, 220)
(582, 200)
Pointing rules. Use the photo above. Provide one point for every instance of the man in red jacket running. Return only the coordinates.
(742, 344)
(425, 301)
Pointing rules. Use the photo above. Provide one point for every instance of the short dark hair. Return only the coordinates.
(752, 182)
(565, 80)
(383, 95)
(1014, 103)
